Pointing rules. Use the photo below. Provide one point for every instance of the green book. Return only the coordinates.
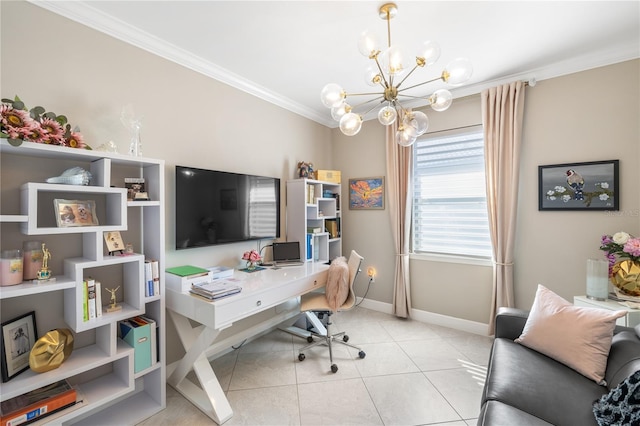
(186, 270)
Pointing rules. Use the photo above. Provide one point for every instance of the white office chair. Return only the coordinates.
(314, 304)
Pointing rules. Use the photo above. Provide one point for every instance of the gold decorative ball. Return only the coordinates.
(625, 275)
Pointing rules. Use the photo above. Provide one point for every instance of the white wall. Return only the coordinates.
(587, 116)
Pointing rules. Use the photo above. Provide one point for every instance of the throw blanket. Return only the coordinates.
(621, 406)
(337, 288)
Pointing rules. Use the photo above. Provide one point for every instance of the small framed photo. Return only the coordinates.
(114, 241)
(366, 193)
(75, 213)
(579, 186)
(18, 337)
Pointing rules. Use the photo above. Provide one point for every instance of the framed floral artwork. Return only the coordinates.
(18, 337)
(579, 186)
(366, 193)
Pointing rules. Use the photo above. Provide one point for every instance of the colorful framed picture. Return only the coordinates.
(366, 193)
(579, 186)
(18, 337)
(75, 213)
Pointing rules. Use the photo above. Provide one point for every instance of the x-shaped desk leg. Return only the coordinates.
(211, 398)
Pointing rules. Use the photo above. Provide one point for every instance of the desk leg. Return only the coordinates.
(211, 399)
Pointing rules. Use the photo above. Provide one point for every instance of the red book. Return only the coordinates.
(36, 404)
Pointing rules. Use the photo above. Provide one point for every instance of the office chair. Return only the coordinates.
(315, 304)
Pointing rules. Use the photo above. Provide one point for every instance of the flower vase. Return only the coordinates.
(251, 266)
(625, 275)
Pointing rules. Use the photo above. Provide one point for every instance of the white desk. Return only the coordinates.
(260, 290)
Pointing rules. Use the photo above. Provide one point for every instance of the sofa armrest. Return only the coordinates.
(510, 322)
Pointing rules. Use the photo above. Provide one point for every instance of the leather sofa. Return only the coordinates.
(524, 387)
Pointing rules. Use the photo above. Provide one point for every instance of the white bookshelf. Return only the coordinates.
(312, 204)
(101, 364)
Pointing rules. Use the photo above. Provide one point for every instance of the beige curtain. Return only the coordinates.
(399, 202)
(502, 112)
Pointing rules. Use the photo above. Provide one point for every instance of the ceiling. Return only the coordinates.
(286, 51)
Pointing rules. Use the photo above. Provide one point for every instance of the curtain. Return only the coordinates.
(399, 197)
(502, 112)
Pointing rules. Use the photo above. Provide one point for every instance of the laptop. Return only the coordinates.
(286, 254)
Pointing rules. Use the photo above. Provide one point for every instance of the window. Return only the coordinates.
(449, 194)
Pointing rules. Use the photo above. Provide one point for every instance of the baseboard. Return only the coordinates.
(430, 317)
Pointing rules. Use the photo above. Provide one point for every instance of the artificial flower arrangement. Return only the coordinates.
(17, 124)
(251, 256)
(623, 252)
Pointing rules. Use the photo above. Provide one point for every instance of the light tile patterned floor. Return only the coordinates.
(413, 374)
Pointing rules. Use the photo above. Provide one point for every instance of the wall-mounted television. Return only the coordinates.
(216, 207)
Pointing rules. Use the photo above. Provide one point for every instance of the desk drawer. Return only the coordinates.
(232, 310)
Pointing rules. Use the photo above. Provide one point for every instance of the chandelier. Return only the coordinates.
(389, 71)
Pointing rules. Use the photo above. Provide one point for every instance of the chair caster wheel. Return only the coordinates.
(301, 357)
(345, 338)
(309, 339)
(361, 354)
(334, 368)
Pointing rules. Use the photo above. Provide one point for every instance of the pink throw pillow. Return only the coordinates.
(578, 337)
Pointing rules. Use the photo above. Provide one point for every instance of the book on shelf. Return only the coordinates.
(155, 274)
(137, 334)
(136, 189)
(148, 279)
(38, 403)
(313, 229)
(98, 299)
(91, 296)
(85, 301)
(333, 227)
(216, 289)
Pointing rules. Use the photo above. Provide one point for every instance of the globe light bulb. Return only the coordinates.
(338, 111)
(350, 124)
(419, 121)
(372, 76)
(368, 44)
(403, 138)
(457, 72)
(387, 115)
(428, 54)
(441, 99)
(392, 61)
(332, 95)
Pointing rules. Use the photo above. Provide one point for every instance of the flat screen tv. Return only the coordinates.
(216, 207)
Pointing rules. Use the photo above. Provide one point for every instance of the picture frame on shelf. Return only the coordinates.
(114, 242)
(366, 193)
(18, 337)
(75, 213)
(579, 186)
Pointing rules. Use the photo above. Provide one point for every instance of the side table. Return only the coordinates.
(630, 320)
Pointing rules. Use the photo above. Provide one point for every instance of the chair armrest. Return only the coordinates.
(510, 322)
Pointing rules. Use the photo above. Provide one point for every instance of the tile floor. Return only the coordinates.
(413, 374)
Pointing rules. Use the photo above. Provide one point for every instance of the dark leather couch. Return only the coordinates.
(524, 387)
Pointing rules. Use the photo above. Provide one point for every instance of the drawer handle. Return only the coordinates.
(259, 302)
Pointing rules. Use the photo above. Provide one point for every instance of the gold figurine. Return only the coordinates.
(113, 307)
(44, 273)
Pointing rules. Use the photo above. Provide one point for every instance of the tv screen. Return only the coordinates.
(216, 207)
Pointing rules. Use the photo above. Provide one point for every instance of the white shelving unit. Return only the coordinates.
(314, 204)
(101, 364)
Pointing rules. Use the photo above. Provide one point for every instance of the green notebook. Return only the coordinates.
(186, 270)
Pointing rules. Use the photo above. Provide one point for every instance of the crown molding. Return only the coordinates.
(83, 13)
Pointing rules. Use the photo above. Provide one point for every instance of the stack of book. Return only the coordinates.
(216, 289)
(37, 404)
(91, 299)
(151, 278)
